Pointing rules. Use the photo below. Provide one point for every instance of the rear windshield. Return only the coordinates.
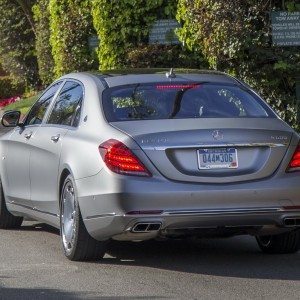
(181, 101)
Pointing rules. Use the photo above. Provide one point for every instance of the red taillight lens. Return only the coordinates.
(295, 162)
(120, 159)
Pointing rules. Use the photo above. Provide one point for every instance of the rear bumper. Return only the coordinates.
(112, 205)
(122, 227)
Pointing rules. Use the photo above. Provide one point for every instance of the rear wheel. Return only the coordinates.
(284, 243)
(78, 245)
(7, 220)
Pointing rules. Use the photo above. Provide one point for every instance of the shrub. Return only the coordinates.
(2, 72)
(23, 104)
(121, 25)
(71, 25)
(163, 56)
(234, 36)
(8, 101)
(8, 88)
(17, 53)
(42, 44)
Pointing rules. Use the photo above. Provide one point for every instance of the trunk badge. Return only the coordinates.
(217, 135)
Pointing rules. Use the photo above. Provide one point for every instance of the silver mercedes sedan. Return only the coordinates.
(133, 157)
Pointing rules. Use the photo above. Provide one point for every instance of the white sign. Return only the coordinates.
(285, 28)
(163, 32)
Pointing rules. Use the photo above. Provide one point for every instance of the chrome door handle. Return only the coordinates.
(28, 135)
(55, 138)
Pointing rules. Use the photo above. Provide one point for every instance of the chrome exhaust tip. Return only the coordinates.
(146, 227)
(291, 222)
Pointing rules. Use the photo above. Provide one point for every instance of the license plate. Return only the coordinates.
(217, 158)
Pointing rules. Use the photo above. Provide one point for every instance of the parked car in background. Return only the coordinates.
(140, 156)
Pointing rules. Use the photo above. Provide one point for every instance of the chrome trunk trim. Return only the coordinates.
(163, 148)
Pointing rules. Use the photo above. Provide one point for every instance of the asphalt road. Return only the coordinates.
(32, 266)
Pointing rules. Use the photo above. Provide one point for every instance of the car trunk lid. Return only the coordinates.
(175, 147)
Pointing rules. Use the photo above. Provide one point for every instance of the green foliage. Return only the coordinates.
(71, 25)
(292, 6)
(17, 42)
(235, 36)
(8, 88)
(43, 49)
(163, 56)
(121, 25)
(2, 72)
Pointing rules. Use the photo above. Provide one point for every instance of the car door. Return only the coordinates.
(47, 145)
(18, 149)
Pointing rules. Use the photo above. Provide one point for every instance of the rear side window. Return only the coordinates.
(66, 110)
(182, 101)
(39, 109)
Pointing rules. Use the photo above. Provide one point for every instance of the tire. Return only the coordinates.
(284, 243)
(77, 244)
(7, 220)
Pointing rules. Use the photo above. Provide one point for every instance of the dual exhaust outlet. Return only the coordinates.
(146, 227)
(291, 222)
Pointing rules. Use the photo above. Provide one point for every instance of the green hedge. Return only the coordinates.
(163, 56)
(121, 25)
(41, 16)
(2, 72)
(235, 36)
(9, 89)
(71, 25)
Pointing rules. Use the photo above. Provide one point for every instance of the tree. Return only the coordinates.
(235, 36)
(26, 6)
(42, 45)
(71, 25)
(17, 39)
(122, 25)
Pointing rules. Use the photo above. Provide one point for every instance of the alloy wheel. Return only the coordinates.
(68, 212)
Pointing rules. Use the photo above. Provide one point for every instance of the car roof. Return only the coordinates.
(114, 78)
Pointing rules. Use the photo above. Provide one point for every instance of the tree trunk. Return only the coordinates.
(26, 6)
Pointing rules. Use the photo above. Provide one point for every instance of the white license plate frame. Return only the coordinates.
(217, 158)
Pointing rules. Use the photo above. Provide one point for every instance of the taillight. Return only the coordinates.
(295, 161)
(120, 159)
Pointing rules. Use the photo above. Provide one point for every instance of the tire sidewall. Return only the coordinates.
(70, 253)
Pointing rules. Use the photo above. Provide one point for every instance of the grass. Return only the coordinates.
(23, 105)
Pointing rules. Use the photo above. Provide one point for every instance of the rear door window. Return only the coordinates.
(182, 101)
(67, 107)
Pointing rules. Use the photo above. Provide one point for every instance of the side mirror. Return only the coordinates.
(11, 118)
